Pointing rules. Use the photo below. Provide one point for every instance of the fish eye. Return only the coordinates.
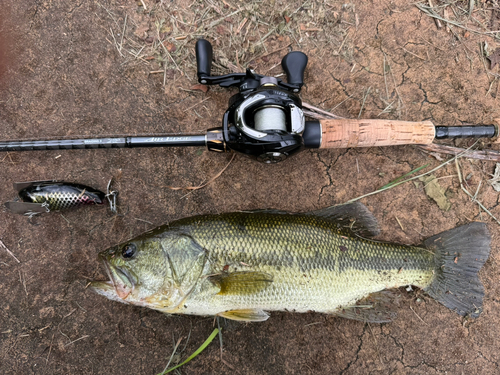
(129, 251)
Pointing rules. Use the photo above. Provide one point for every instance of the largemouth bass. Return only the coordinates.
(242, 265)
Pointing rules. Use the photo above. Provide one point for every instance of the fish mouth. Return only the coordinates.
(119, 279)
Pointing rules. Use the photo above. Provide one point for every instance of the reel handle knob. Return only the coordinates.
(203, 50)
(294, 64)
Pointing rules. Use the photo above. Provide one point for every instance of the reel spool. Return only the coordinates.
(269, 118)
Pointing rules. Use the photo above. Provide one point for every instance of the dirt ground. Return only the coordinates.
(84, 68)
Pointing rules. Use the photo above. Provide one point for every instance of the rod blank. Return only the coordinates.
(94, 143)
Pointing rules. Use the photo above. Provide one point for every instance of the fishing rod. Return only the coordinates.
(265, 121)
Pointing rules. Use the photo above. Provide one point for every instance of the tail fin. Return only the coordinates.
(460, 253)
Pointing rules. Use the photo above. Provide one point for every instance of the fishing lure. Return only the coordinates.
(44, 196)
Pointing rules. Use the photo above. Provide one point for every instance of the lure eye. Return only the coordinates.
(128, 251)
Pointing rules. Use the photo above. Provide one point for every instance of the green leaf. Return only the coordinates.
(198, 351)
(406, 175)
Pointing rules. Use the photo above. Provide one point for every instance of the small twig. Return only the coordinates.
(401, 225)
(418, 316)
(173, 353)
(364, 100)
(50, 349)
(216, 22)
(240, 26)
(220, 338)
(23, 281)
(436, 21)
(69, 343)
(68, 314)
(411, 53)
(123, 32)
(385, 79)
(343, 101)
(9, 252)
(429, 43)
(342, 45)
(145, 221)
(314, 115)
(270, 53)
(318, 110)
(116, 43)
(205, 184)
(80, 307)
(197, 104)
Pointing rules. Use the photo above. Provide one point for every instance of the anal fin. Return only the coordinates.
(245, 315)
(376, 308)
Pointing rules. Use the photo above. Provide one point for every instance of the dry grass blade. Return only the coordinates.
(473, 197)
(172, 355)
(78, 339)
(364, 100)
(50, 349)
(430, 12)
(9, 252)
(318, 113)
(418, 316)
(489, 155)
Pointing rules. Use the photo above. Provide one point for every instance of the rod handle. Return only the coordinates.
(203, 50)
(346, 133)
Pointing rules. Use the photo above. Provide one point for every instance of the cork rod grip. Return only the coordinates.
(345, 133)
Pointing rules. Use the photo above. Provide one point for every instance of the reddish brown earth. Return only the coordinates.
(63, 75)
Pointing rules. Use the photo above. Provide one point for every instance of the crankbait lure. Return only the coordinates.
(45, 196)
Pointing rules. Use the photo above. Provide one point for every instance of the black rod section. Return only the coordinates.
(467, 131)
(118, 142)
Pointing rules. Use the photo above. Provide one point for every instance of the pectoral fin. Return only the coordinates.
(245, 315)
(242, 283)
(376, 308)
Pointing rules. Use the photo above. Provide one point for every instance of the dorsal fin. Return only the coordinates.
(354, 216)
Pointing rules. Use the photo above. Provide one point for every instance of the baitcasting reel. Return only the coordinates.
(265, 119)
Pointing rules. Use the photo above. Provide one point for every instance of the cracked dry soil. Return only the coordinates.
(63, 77)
